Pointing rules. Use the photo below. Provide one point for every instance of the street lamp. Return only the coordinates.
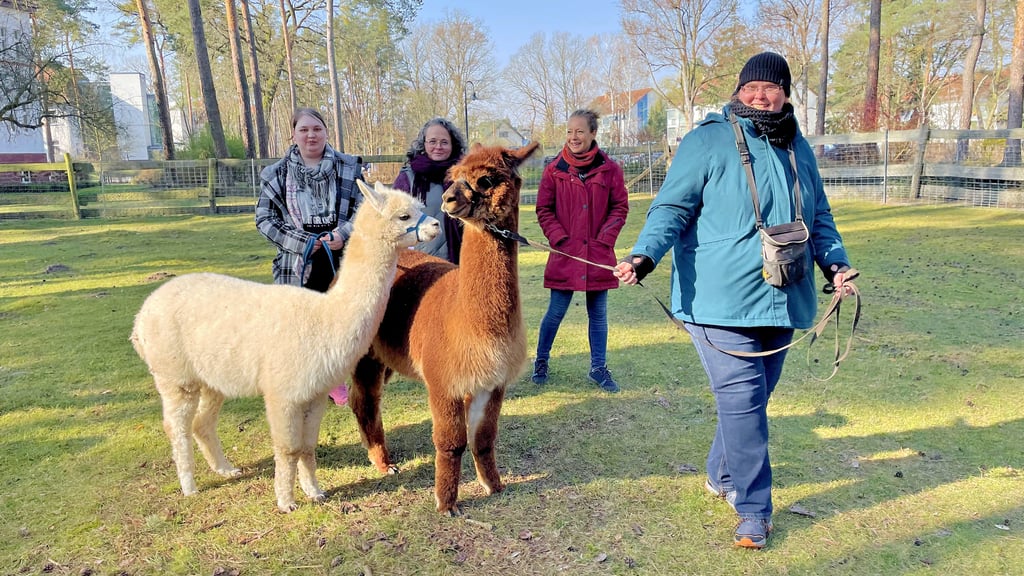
(468, 93)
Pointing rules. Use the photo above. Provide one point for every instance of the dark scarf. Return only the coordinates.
(780, 127)
(429, 172)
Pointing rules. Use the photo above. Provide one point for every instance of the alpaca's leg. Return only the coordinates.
(449, 436)
(204, 429)
(482, 424)
(312, 416)
(179, 408)
(286, 434)
(364, 399)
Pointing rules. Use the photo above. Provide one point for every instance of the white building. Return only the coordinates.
(17, 145)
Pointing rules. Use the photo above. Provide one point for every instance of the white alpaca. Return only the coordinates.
(207, 337)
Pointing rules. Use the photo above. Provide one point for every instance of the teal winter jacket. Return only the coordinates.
(704, 214)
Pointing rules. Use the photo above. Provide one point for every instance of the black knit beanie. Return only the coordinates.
(766, 67)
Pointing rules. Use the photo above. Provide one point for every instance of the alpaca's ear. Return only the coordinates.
(375, 198)
(521, 154)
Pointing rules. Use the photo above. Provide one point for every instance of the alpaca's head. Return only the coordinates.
(394, 217)
(485, 186)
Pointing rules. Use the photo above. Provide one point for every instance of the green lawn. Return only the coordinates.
(910, 459)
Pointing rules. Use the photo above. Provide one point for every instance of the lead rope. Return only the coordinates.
(815, 332)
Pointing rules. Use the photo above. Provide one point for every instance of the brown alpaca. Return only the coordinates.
(459, 329)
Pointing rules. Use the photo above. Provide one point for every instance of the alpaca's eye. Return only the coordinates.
(486, 183)
(405, 217)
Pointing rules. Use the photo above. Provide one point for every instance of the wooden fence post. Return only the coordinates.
(211, 184)
(915, 179)
(69, 167)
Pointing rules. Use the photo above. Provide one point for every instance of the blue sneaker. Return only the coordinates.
(540, 371)
(603, 378)
(727, 494)
(752, 533)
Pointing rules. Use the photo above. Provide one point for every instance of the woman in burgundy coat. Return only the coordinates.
(581, 206)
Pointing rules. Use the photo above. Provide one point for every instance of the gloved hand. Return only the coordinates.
(641, 265)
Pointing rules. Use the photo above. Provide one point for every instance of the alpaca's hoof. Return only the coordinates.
(188, 486)
(453, 512)
(287, 507)
(318, 498)
(491, 490)
(230, 472)
(392, 470)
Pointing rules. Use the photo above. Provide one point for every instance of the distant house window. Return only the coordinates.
(503, 134)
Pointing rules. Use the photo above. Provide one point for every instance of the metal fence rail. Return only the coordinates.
(969, 167)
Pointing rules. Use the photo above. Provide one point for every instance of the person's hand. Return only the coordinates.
(841, 273)
(633, 268)
(625, 273)
(334, 240)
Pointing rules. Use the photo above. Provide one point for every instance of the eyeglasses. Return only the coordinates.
(767, 89)
(434, 143)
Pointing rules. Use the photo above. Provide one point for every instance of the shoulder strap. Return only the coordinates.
(741, 147)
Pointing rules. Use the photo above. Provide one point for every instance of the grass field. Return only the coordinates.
(909, 461)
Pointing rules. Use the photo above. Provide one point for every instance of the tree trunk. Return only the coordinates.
(819, 124)
(220, 146)
(156, 71)
(286, 37)
(240, 82)
(332, 71)
(1015, 102)
(967, 87)
(257, 85)
(870, 122)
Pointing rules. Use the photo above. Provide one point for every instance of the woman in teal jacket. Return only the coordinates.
(704, 213)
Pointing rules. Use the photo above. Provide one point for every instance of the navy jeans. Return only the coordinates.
(738, 458)
(597, 314)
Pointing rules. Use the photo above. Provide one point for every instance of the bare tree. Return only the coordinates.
(156, 72)
(791, 27)
(448, 54)
(1015, 102)
(967, 83)
(826, 18)
(257, 85)
(332, 73)
(679, 36)
(286, 37)
(870, 121)
(241, 84)
(220, 146)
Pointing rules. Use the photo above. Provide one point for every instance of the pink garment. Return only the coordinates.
(339, 395)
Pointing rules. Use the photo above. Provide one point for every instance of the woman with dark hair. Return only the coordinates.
(582, 205)
(307, 199)
(437, 147)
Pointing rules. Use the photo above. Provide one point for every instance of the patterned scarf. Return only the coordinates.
(780, 127)
(429, 172)
(315, 208)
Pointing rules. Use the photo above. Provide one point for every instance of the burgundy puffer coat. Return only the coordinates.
(582, 218)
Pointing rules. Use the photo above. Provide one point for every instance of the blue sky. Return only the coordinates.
(511, 22)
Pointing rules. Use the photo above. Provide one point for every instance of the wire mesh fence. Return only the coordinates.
(972, 168)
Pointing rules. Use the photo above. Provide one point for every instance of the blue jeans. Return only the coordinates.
(597, 314)
(738, 458)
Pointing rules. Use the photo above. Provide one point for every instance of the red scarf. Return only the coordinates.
(580, 161)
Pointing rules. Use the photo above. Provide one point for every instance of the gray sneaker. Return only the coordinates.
(603, 378)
